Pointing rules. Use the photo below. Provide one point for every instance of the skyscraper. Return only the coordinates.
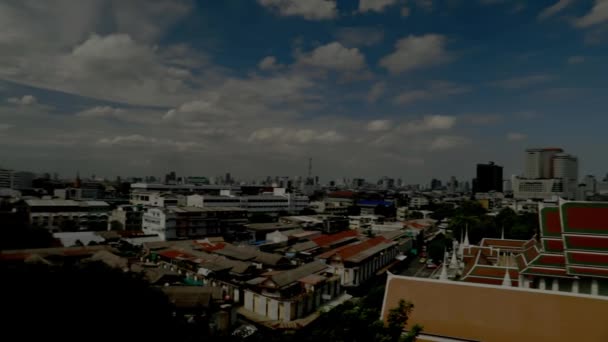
(549, 172)
(489, 178)
(539, 162)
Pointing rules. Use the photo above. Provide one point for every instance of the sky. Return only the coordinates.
(411, 89)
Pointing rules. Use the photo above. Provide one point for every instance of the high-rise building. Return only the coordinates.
(489, 178)
(590, 184)
(16, 179)
(549, 172)
(539, 162)
(436, 184)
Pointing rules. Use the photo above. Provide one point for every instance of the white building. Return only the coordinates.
(156, 199)
(548, 173)
(10, 179)
(161, 222)
(54, 214)
(364, 221)
(269, 203)
(418, 202)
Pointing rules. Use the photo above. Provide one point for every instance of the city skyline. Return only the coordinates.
(415, 90)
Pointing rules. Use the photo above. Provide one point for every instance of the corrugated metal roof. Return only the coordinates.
(288, 277)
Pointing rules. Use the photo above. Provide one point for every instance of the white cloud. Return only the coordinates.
(309, 9)
(269, 63)
(554, 9)
(140, 140)
(523, 81)
(414, 52)
(379, 125)
(334, 56)
(359, 36)
(576, 59)
(428, 123)
(597, 15)
(410, 96)
(514, 136)
(26, 100)
(447, 142)
(101, 112)
(376, 91)
(375, 5)
(295, 136)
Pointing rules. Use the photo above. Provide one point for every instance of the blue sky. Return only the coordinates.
(412, 89)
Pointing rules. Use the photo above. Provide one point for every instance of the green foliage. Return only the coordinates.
(360, 321)
(92, 301)
(25, 237)
(116, 225)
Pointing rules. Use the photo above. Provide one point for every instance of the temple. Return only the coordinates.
(518, 290)
(570, 254)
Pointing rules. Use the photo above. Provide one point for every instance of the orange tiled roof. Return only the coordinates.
(325, 240)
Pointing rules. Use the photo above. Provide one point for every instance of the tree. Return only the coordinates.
(116, 225)
(397, 321)
(89, 296)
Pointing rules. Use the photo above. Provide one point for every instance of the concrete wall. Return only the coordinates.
(499, 314)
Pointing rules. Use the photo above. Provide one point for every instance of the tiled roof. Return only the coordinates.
(591, 218)
(553, 245)
(588, 271)
(503, 244)
(327, 240)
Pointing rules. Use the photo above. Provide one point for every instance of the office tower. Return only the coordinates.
(549, 173)
(489, 178)
(539, 162)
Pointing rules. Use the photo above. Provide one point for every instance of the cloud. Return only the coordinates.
(295, 136)
(6, 127)
(554, 9)
(426, 5)
(334, 56)
(576, 59)
(379, 125)
(375, 5)
(427, 123)
(415, 52)
(410, 96)
(448, 142)
(376, 91)
(597, 15)
(483, 119)
(101, 112)
(359, 36)
(140, 140)
(310, 9)
(514, 136)
(269, 63)
(26, 100)
(434, 89)
(523, 81)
